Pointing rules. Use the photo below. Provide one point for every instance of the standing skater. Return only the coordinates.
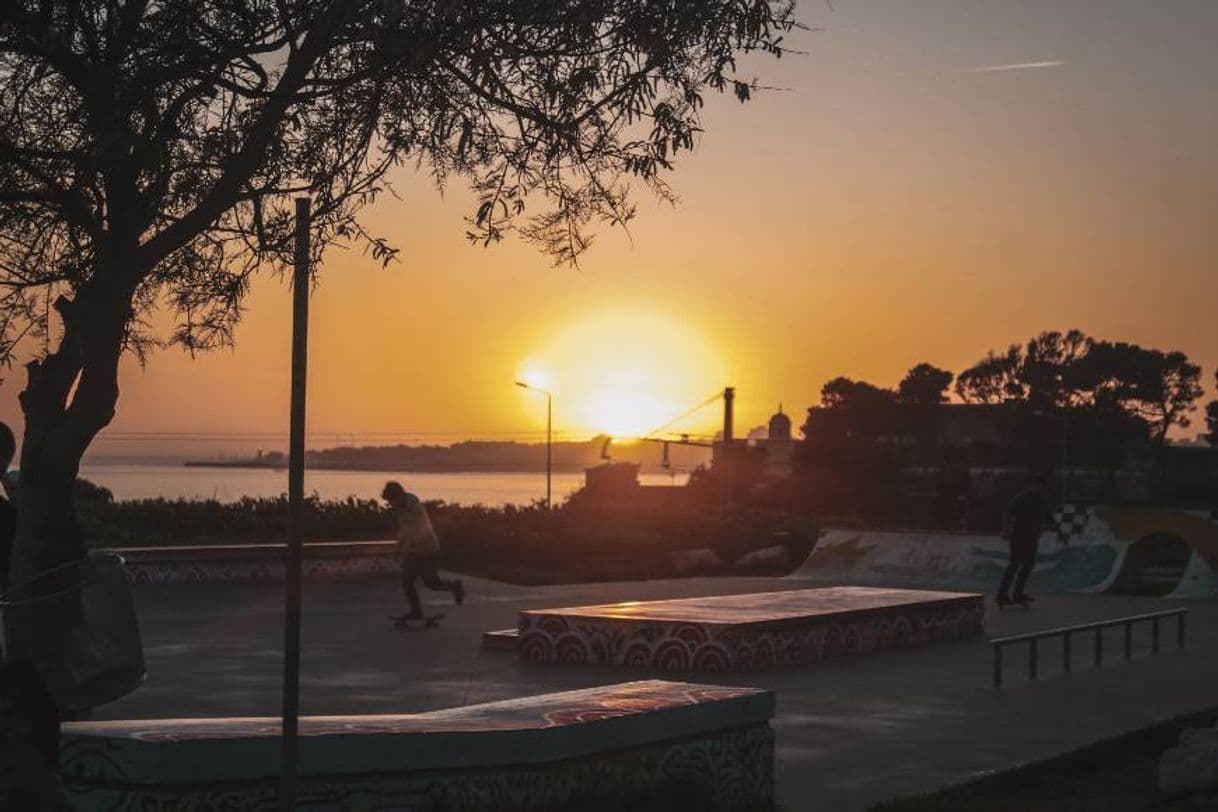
(418, 547)
(1022, 524)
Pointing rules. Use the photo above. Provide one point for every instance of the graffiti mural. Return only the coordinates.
(1085, 552)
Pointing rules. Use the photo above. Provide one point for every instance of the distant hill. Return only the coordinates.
(475, 455)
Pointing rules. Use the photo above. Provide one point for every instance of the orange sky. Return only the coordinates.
(916, 195)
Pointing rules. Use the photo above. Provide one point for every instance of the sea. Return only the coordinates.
(128, 481)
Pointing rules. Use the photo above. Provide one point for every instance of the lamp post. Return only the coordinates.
(1065, 461)
(549, 436)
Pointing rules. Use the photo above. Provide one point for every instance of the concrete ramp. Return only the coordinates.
(1089, 551)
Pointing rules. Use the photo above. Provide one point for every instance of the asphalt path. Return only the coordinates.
(850, 733)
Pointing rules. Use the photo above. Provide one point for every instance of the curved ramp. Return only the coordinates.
(1085, 554)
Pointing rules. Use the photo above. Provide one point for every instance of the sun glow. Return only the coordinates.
(624, 373)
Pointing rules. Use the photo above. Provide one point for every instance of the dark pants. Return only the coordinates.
(1023, 558)
(417, 567)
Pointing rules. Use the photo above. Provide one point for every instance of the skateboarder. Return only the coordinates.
(417, 549)
(1023, 521)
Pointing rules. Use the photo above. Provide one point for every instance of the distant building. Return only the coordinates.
(779, 447)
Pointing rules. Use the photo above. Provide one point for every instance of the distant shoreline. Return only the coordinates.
(416, 469)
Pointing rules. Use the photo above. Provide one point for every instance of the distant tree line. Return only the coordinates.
(1118, 390)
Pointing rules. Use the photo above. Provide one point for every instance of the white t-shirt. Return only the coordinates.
(415, 533)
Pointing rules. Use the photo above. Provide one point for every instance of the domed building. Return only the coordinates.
(779, 446)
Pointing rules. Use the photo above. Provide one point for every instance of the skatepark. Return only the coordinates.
(849, 731)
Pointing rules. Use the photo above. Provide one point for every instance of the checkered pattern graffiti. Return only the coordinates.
(1070, 521)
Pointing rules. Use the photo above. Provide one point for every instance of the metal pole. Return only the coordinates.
(729, 400)
(1065, 460)
(549, 448)
(296, 448)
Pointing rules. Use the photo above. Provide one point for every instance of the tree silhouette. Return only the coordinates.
(993, 379)
(149, 153)
(924, 384)
(1211, 419)
(1159, 387)
(1070, 371)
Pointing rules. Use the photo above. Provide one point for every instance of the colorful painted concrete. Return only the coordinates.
(256, 562)
(536, 753)
(744, 632)
(1085, 552)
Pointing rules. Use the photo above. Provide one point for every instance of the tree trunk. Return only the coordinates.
(70, 396)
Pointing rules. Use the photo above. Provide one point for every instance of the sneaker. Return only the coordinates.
(459, 592)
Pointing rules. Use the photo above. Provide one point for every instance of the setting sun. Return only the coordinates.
(624, 373)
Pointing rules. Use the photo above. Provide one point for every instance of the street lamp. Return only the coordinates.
(549, 435)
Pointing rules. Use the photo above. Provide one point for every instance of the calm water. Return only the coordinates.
(230, 484)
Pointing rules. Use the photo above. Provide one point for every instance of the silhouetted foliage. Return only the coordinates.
(905, 456)
(1211, 418)
(519, 543)
(993, 379)
(1071, 371)
(1159, 387)
(150, 152)
(924, 384)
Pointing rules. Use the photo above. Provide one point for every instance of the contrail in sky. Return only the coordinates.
(1015, 66)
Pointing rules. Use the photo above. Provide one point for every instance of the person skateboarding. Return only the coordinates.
(1023, 521)
(417, 550)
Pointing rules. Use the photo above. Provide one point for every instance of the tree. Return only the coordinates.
(924, 384)
(1041, 372)
(1159, 387)
(993, 379)
(149, 154)
(1211, 419)
(844, 393)
(1048, 369)
(850, 409)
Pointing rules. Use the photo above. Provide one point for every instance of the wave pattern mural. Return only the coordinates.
(1086, 552)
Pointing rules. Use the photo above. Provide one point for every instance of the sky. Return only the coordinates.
(934, 178)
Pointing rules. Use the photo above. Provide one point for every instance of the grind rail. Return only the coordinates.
(1066, 633)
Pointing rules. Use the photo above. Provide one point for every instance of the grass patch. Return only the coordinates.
(1114, 775)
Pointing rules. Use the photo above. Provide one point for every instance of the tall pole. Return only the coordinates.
(729, 403)
(296, 448)
(1065, 459)
(549, 448)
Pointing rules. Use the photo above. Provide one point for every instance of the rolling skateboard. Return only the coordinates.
(1003, 606)
(425, 622)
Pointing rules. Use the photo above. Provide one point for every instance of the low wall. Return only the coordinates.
(252, 562)
(621, 743)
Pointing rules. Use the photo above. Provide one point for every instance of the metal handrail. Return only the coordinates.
(1065, 632)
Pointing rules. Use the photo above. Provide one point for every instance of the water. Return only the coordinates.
(230, 484)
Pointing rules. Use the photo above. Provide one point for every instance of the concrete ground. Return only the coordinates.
(850, 733)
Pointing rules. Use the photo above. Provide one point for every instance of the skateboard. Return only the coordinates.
(425, 622)
(1002, 607)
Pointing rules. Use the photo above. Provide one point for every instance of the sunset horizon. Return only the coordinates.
(843, 222)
